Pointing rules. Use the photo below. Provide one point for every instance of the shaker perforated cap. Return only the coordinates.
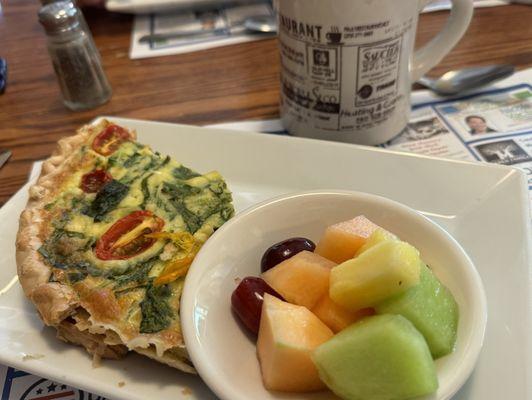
(59, 16)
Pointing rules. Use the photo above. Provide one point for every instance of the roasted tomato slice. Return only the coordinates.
(127, 237)
(93, 181)
(110, 139)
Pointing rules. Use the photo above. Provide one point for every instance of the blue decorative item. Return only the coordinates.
(3, 75)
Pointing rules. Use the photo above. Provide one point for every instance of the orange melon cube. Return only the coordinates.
(335, 316)
(288, 334)
(302, 279)
(340, 241)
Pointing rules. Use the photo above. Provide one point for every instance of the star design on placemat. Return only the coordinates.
(38, 391)
(51, 387)
(63, 387)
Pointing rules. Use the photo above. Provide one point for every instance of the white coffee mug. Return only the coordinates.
(347, 65)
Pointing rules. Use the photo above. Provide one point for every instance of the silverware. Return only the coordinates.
(467, 79)
(156, 37)
(4, 156)
(251, 25)
(261, 24)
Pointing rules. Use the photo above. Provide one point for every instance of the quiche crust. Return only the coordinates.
(54, 300)
(59, 305)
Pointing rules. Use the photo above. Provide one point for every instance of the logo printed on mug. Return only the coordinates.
(347, 66)
(334, 36)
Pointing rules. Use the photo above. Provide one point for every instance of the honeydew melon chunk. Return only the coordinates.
(378, 236)
(287, 336)
(432, 309)
(384, 270)
(341, 241)
(302, 279)
(381, 357)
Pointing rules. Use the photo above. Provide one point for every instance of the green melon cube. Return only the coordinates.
(431, 307)
(382, 357)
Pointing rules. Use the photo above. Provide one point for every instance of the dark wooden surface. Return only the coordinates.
(225, 84)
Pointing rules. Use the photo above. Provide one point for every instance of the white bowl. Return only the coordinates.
(225, 355)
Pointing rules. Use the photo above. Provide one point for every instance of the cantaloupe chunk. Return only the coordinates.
(302, 279)
(288, 335)
(340, 241)
(382, 271)
(336, 317)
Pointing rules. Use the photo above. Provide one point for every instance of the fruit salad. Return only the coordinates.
(359, 313)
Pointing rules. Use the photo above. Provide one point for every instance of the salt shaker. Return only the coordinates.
(75, 58)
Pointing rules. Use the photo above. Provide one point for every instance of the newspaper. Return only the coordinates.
(193, 30)
(495, 126)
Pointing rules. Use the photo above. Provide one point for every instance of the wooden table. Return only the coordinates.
(225, 84)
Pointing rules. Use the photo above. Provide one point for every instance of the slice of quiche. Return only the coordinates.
(106, 240)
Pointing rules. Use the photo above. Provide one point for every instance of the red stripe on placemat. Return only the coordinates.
(54, 396)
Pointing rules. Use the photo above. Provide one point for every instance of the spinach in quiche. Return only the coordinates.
(135, 236)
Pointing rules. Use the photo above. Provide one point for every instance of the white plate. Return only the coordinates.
(153, 6)
(485, 207)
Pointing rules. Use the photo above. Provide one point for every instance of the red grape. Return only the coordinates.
(247, 299)
(284, 250)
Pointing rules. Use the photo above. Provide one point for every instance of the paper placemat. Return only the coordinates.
(210, 28)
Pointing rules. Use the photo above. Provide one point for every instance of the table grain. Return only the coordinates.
(225, 84)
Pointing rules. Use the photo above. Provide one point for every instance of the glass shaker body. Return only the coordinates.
(75, 59)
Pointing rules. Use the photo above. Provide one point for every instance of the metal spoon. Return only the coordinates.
(261, 24)
(467, 79)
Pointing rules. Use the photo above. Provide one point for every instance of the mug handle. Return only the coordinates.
(433, 52)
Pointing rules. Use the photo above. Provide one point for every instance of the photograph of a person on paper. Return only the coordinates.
(478, 125)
